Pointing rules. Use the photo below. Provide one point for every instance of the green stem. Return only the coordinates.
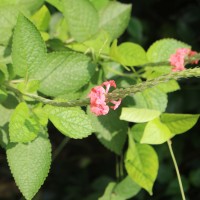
(115, 94)
(177, 170)
(60, 148)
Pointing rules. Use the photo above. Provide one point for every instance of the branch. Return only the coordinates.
(115, 94)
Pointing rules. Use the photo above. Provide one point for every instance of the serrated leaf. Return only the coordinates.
(162, 49)
(82, 18)
(151, 98)
(23, 126)
(130, 54)
(72, 122)
(30, 164)
(138, 115)
(114, 18)
(156, 132)
(64, 72)
(141, 163)
(42, 18)
(126, 188)
(28, 48)
(110, 131)
(179, 123)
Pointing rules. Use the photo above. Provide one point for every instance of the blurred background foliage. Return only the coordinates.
(82, 170)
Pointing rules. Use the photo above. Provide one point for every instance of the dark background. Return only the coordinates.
(83, 168)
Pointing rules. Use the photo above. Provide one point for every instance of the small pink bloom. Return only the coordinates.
(116, 104)
(97, 96)
(108, 84)
(192, 53)
(177, 59)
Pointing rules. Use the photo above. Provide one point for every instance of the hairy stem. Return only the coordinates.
(177, 170)
(115, 94)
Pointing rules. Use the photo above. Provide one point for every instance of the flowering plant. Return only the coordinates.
(68, 69)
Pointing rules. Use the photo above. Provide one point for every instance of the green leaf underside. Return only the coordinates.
(156, 132)
(151, 98)
(179, 123)
(64, 72)
(72, 122)
(110, 131)
(30, 164)
(162, 49)
(114, 18)
(82, 18)
(28, 48)
(23, 127)
(138, 115)
(141, 163)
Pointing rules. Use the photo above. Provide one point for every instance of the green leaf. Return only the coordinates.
(126, 188)
(72, 122)
(110, 131)
(64, 72)
(56, 3)
(179, 123)
(3, 95)
(151, 98)
(6, 109)
(137, 131)
(28, 49)
(162, 49)
(23, 126)
(99, 4)
(141, 163)
(28, 87)
(7, 22)
(114, 18)
(98, 44)
(58, 28)
(108, 192)
(170, 86)
(130, 54)
(30, 5)
(156, 132)
(138, 115)
(42, 18)
(82, 18)
(30, 164)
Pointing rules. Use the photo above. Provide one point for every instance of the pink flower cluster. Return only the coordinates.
(97, 95)
(177, 59)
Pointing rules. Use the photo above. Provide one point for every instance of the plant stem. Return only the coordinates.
(115, 94)
(177, 170)
(60, 148)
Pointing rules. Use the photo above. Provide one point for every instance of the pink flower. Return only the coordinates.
(177, 59)
(97, 96)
